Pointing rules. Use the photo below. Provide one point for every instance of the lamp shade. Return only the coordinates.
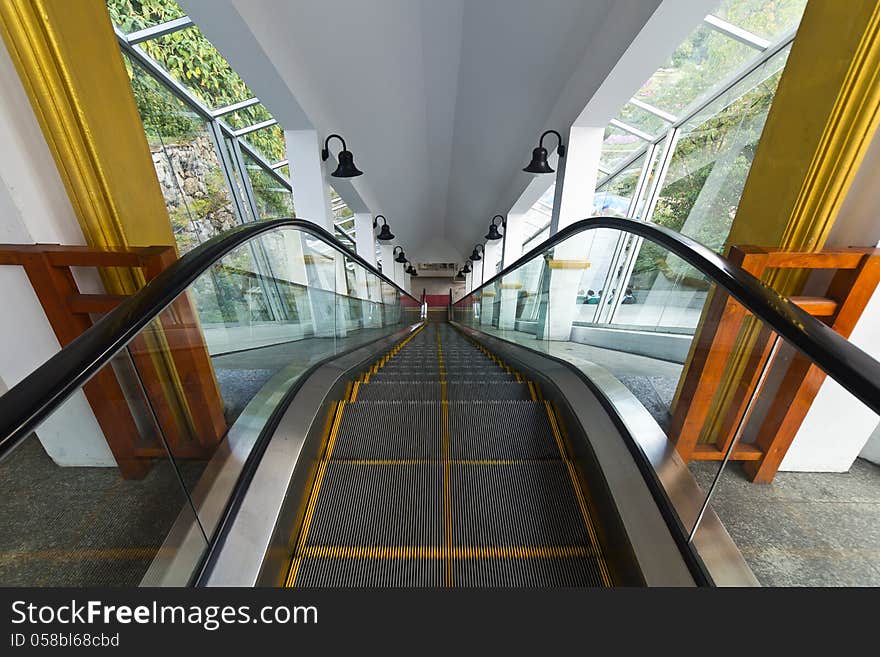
(493, 233)
(385, 233)
(401, 257)
(467, 268)
(346, 167)
(539, 163)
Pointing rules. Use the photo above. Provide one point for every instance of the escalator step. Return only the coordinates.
(488, 391)
(389, 430)
(385, 390)
(527, 573)
(399, 391)
(501, 430)
(379, 505)
(352, 573)
(515, 504)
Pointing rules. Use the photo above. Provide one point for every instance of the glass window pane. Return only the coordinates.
(643, 120)
(196, 64)
(617, 147)
(769, 19)
(613, 198)
(695, 68)
(274, 200)
(246, 117)
(268, 142)
(712, 157)
(186, 161)
(134, 15)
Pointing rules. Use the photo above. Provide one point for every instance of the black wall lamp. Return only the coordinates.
(460, 275)
(476, 254)
(493, 233)
(346, 167)
(401, 257)
(384, 234)
(411, 270)
(539, 162)
(467, 268)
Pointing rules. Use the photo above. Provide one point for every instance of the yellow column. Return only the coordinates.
(68, 59)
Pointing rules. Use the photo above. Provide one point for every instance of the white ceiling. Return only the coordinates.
(441, 101)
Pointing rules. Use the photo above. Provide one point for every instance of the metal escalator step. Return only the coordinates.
(501, 430)
(515, 504)
(399, 391)
(389, 430)
(527, 573)
(379, 505)
(386, 573)
(487, 391)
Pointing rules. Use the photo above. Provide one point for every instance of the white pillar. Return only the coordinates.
(365, 245)
(365, 240)
(575, 183)
(514, 234)
(489, 301)
(309, 183)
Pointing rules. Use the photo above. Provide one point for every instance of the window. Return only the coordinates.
(536, 222)
(187, 166)
(219, 153)
(697, 122)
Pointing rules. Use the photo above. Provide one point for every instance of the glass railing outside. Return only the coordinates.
(736, 400)
(126, 481)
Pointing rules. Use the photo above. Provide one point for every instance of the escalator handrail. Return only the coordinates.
(851, 367)
(26, 404)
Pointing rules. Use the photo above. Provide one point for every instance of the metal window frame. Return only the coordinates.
(737, 33)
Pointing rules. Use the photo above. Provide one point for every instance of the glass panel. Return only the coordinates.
(800, 493)
(769, 19)
(185, 157)
(699, 197)
(195, 63)
(657, 158)
(91, 496)
(246, 117)
(712, 157)
(232, 152)
(617, 147)
(134, 15)
(613, 198)
(643, 120)
(696, 67)
(549, 303)
(121, 486)
(274, 200)
(268, 142)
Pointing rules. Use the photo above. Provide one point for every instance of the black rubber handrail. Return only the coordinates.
(851, 367)
(26, 404)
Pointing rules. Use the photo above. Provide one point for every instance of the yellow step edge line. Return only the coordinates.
(582, 503)
(313, 497)
(441, 552)
(354, 391)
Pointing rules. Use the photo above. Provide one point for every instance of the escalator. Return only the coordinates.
(441, 468)
(366, 443)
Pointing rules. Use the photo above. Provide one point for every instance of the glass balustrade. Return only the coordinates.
(728, 395)
(126, 482)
